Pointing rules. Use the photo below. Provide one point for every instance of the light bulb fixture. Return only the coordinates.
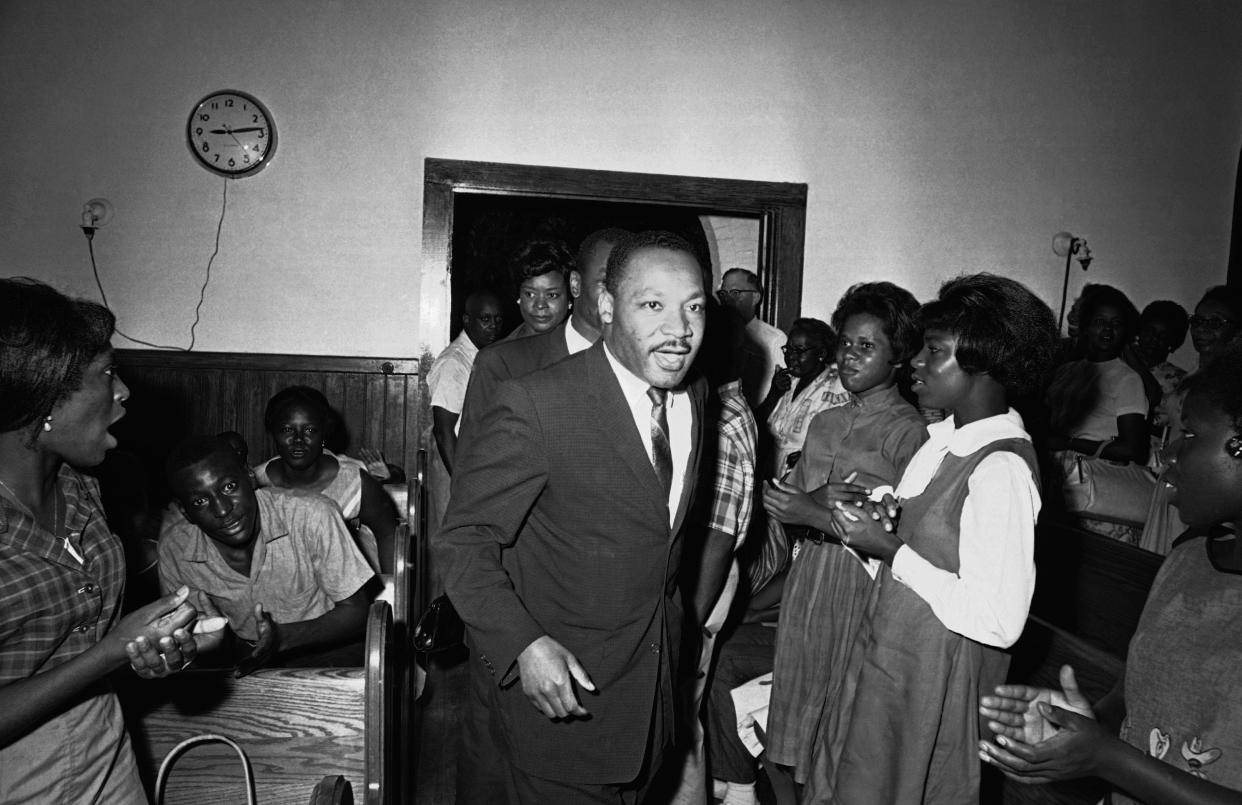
(1068, 246)
(95, 213)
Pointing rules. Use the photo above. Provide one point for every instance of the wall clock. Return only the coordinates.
(231, 133)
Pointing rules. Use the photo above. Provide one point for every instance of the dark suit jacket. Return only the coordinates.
(557, 525)
(506, 360)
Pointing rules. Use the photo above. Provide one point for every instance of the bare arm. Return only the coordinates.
(378, 514)
(443, 424)
(713, 571)
(28, 702)
(781, 381)
(342, 624)
(1082, 747)
(345, 622)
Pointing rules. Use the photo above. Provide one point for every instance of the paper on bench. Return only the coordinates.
(750, 702)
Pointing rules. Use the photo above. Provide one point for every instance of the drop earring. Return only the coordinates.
(47, 424)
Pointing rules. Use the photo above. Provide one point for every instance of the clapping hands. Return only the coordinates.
(165, 636)
(1042, 735)
(870, 527)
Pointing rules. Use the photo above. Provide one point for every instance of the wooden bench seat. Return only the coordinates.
(297, 725)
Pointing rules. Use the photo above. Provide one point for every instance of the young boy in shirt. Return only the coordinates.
(279, 564)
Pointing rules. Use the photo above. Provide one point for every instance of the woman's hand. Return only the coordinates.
(155, 638)
(843, 491)
(376, 464)
(790, 505)
(1013, 712)
(1073, 751)
(781, 381)
(870, 528)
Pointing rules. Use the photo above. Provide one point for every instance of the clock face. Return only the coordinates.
(231, 133)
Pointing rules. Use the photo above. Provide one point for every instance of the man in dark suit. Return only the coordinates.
(478, 779)
(562, 542)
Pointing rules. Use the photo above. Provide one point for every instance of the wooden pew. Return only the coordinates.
(1089, 594)
(300, 727)
(409, 600)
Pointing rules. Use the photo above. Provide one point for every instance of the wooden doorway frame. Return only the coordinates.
(780, 208)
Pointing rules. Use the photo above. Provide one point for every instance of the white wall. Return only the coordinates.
(935, 138)
(732, 243)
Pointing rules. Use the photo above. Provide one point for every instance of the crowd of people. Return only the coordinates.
(257, 566)
(686, 546)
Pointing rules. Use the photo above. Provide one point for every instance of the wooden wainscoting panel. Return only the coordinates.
(177, 394)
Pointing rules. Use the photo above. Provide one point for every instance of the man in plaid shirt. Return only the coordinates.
(729, 488)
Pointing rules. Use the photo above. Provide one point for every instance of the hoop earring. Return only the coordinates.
(47, 424)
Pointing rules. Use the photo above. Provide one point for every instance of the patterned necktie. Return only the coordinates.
(661, 453)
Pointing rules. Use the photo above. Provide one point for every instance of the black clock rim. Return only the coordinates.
(232, 174)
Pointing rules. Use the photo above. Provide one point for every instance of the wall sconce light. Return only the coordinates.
(1066, 245)
(95, 213)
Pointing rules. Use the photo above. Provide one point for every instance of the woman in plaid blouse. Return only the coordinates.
(62, 572)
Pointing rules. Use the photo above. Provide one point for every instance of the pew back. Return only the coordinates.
(380, 401)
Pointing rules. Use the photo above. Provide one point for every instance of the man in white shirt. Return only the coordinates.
(740, 290)
(562, 544)
(446, 384)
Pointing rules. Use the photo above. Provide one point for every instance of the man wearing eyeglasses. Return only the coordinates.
(740, 290)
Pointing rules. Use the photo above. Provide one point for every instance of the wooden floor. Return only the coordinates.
(439, 735)
(444, 705)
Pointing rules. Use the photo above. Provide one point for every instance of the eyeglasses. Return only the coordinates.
(734, 292)
(1210, 322)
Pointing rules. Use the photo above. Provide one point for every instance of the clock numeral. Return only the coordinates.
(228, 102)
(204, 117)
(217, 157)
(206, 147)
(246, 159)
(262, 133)
(215, 105)
(232, 162)
(254, 118)
(199, 131)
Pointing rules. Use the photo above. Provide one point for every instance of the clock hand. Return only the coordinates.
(237, 131)
(228, 131)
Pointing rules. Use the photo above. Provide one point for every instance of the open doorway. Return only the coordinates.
(475, 214)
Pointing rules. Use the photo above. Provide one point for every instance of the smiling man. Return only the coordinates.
(278, 563)
(562, 542)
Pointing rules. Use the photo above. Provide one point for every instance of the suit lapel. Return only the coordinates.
(560, 348)
(612, 408)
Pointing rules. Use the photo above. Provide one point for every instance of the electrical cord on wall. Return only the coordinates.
(202, 292)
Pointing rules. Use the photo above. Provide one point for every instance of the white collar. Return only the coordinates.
(467, 346)
(633, 386)
(969, 438)
(575, 341)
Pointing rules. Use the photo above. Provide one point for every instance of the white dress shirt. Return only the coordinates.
(450, 374)
(677, 409)
(771, 339)
(989, 597)
(575, 342)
